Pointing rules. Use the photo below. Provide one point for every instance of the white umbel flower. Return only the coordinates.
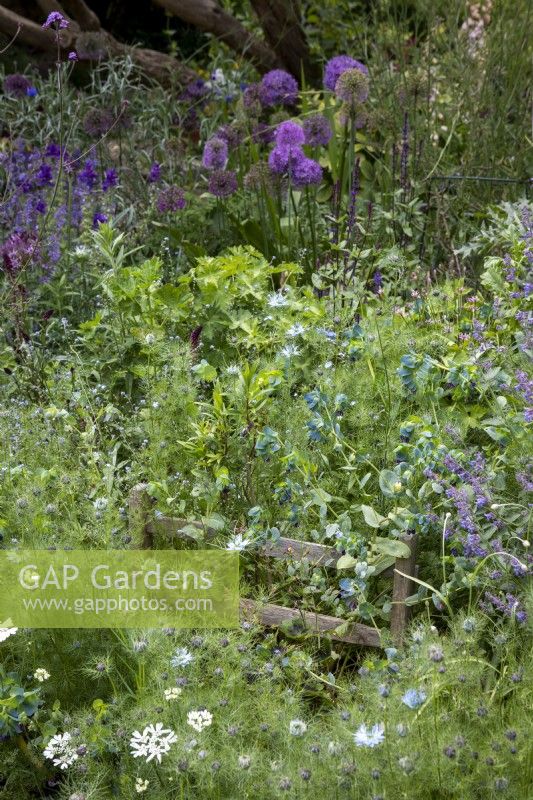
(153, 742)
(41, 675)
(61, 751)
(199, 719)
(297, 727)
(5, 633)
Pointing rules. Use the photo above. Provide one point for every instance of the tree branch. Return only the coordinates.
(281, 23)
(208, 16)
(84, 16)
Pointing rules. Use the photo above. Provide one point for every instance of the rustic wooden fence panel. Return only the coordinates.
(144, 528)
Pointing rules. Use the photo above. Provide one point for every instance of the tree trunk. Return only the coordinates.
(208, 16)
(281, 23)
(160, 67)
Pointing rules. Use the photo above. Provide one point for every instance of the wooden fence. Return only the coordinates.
(145, 527)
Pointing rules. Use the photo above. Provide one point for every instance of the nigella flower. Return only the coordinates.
(277, 300)
(222, 183)
(296, 330)
(336, 66)
(199, 719)
(413, 698)
(352, 88)
(289, 133)
(154, 175)
(215, 154)
(5, 633)
(297, 727)
(238, 542)
(289, 351)
(32, 91)
(172, 198)
(369, 737)
(153, 742)
(182, 657)
(317, 130)
(278, 87)
(16, 85)
(57, 20)
(61, 751)
(110, 179)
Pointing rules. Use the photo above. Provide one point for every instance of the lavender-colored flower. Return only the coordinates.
(352, 88)
(281, 159)
(110, 179)
(289, 134)
(56, 20)
(222, 183)
(336, 66)
(154, 175)
(231, 134)
(16, 85)
(88, 175)
(413, 698)
(172, 198)
(16, 252)
(278, 88)
(306, 172)
(73, 56)
(317, 130)
(98, 219)
(215, 154)
(263, 133)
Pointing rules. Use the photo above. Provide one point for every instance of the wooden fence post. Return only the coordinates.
(139, 505)
(402, 588)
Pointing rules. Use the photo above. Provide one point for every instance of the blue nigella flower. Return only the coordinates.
(413, 698)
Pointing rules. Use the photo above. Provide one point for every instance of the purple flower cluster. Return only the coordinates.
(509, 607)
(56, 20)
(288, 158)
(337, 66)
(154, 174)
(215, 154)
(171, 199)
(223, 184)
(317, 130)
(16, 85)
(278, 88)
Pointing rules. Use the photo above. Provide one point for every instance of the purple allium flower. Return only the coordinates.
(97, 122)
(336, 66)
(317, 130)
(278, 88)
(110, 179)
(73, 56)
(98, 219)
(306, 172)
(289, 134)
(352, 88)
(251, 99)
(259, 177)
(282, 159)
(172, 198)
(154, 175)
(196, 90)
(263, 133)
(16, 85)
(16, 251)
(215, 154)
(222, 183)
(231, 134)
(57, 20)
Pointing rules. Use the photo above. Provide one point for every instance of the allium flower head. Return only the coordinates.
(352, 88)
(215, 154)
(369, 737)
(153, 742)
(223, 183)
(154, 175)
(231, 134)
(251, 99)
(283, 159)
(413, 698)
(61, 751)
(97, 122)
(336, 66)
(306, 172)
(172, 198)
(278, 88)
(317, 130)
(289, 134)
(16, 85)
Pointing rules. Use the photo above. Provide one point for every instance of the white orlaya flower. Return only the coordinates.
(61, 751)
(5, 633)
(238, 542)
(153, 743)
(199, 719)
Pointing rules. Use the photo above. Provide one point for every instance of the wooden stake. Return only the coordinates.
(402, 588)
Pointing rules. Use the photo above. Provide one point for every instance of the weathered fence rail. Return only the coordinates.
(145, 528)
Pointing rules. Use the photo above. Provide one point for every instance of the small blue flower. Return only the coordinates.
(31, 91)
(413, 698)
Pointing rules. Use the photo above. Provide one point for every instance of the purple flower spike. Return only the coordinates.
(154, 176)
